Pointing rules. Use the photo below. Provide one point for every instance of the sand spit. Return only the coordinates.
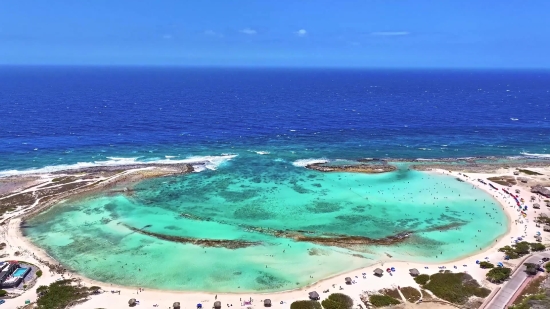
(31, 194)
(359, 168)
(216, 243)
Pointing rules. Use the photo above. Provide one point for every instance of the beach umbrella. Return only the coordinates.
(199, 305)
(393, 269)
(477, 261)
(176, 305)
(132, 302)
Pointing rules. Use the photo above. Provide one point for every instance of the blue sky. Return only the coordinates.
(367, 33)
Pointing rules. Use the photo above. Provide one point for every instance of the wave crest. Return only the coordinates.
(306, 162)
(208, 162)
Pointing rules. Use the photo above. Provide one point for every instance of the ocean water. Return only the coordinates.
(258, 128)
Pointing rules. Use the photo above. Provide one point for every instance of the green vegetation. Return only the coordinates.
(337, 301)
(3, 293)
(39, 273)
(547, 267)
(499, 274)
(305, 304)
(535, 246)
(531, 269)
(455, 287)
(383, 300)
(521, 248)
(486, 265)
(422, 279)
(411, 294)
(529, 172)
(533, 295)
(503, 180)
(391, 293)
(61, 294)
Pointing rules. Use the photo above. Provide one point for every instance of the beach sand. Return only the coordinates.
(519, 226)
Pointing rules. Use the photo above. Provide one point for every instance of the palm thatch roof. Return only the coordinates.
(176, 305)
(378, 272)
(538, 238)
(132, 302)
(414, 272)
(267, 302)
(313, 295)
(217, 304)
(546, 228)
(540, 190)
(348, 280)
(536, 205)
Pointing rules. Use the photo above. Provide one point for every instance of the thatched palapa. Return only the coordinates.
(267, 302)
(541, 190)
(348, 280)
(314, 295)
(217, 304)
(536, 205)
(414, 272)
(378, 272)
(132, 302)
(176, 305)
(546, 228)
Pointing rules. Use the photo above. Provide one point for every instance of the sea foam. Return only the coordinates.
(306, 162)
(209, 162)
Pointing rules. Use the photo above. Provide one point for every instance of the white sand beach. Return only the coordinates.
(519, 226)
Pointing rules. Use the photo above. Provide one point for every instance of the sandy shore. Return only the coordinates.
(518, 226)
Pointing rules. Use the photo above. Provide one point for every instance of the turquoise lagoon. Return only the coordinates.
(91, 235)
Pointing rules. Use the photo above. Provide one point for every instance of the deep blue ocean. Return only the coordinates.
(64, 115)
(258, 128)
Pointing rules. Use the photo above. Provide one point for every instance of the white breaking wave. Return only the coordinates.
(260, 152)
(536, 155)
(209, 162)
(306, 162)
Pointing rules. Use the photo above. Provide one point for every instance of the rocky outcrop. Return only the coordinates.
(359, 168)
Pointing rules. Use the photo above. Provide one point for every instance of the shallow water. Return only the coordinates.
(91, 236)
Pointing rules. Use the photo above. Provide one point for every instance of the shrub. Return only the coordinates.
(337, 301)
(547, 267)
(486, 265)
(305, 304)
(531, 269)
(455, 287)
(60, 294)
(535, 246)
(498, 275)
(383, 300)
(39, 273)
(411, 294)
(422, 279)
(3, 293)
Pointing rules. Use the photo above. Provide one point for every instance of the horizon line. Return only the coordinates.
(203, 66)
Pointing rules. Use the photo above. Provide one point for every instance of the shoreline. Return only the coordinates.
(15, 237)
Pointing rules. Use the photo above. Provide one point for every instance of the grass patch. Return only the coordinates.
(305, 304)
(61, 294)
(337, 301)
(382, 301)
(411, 294)
(533, 288)
(455, 288)
(529, 172)
(391, 293)
(503, 180)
